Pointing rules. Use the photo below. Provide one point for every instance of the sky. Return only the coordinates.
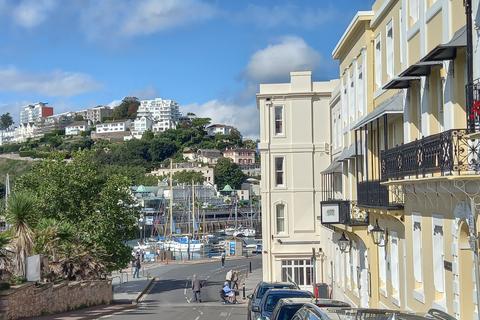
(209, 55)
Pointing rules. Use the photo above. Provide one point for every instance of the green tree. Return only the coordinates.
(20, 215)
(5, 121)
(100, 206)
(186, 177)
(127, 109)
(148, 135)
(201, 123)
(227, 172)
(161, 149)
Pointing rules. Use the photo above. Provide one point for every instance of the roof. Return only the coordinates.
(392, 105)
(227, 188)
(361, 16)
(77, 123)
(240, 150)
(421, 68)
(448, 51)
(400, 83)
(347, 153)
(217, 125)
(335, 166)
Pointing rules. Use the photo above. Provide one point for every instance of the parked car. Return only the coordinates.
(312, 312)
(287, 307)
(262, 287)
(272, 296)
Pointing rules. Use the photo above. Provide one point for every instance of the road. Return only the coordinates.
(170, 295)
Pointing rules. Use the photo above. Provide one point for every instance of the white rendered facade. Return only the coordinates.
(294, 136)
(219, 129)
(165, 113)
(7, 136)
(109, 127)
(142, 123)
(76, 128)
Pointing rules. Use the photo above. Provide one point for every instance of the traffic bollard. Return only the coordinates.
(243, 291)
(250, 266)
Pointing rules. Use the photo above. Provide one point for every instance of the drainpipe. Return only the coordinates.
(469, 91)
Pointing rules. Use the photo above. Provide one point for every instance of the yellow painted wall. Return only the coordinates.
(414, 49)
(434, 31)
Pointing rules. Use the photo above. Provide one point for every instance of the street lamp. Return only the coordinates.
(378, 235)
(343, 243)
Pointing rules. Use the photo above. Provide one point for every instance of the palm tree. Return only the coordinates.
(19, 216)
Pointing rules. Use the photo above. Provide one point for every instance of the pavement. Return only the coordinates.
(163, 292)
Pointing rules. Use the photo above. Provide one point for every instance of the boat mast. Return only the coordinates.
(171, 199)
(193, 210)
(236, 210)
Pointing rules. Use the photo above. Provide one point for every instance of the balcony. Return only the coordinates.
(450, 152)
(340, 212)
(375, 195)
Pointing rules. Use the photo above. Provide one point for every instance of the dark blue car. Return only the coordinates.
(272, 296)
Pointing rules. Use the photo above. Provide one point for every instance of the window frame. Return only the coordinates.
(437, 221)
(417, 246)
(275, 177)
(282, 120)
(284, 218)
(390, 49)
(378, 61)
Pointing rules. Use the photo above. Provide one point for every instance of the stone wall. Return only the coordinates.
(30, 300)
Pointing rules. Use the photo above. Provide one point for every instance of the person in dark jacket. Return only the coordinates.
(196, 286)
(137, 266)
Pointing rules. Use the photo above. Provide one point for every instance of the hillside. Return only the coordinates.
(14, 167)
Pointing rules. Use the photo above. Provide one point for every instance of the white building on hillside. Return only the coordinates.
(7, 136)
(96, 115)
(76, 128)
(214, 129)
(115, 126)
(294, 135)
(165, 113)
(142, 123)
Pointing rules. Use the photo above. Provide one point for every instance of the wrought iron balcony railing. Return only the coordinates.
(342, 212)
(473, 118)
(374, 194)
(447, 153)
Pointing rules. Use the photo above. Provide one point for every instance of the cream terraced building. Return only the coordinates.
(294, 149)
(402, 159)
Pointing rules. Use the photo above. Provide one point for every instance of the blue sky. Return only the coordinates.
(207, 55)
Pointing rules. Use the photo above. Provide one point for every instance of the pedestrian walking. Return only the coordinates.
(137, 268)
(228, 278)
(196, 287)
(223, 259)
(235, 280)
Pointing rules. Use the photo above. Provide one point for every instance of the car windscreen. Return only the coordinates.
(272, 300)
(288, 311)
(262, 290)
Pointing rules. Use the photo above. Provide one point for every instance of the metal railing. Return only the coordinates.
(374, 194)
(347, 214)
(446, 153)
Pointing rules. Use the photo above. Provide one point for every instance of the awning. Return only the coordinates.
(347, 153)
(335, 166)
(400, 83)
(448, 51)
(421, 68)
(390, 106)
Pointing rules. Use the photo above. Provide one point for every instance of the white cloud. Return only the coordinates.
(31, 13)
(149, 92)
(243, 117)
(114, 103)
(55, 83)
(141, 17)
(276, 61)
(287, 15)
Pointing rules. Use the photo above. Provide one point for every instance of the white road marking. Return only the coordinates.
(198, 317)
